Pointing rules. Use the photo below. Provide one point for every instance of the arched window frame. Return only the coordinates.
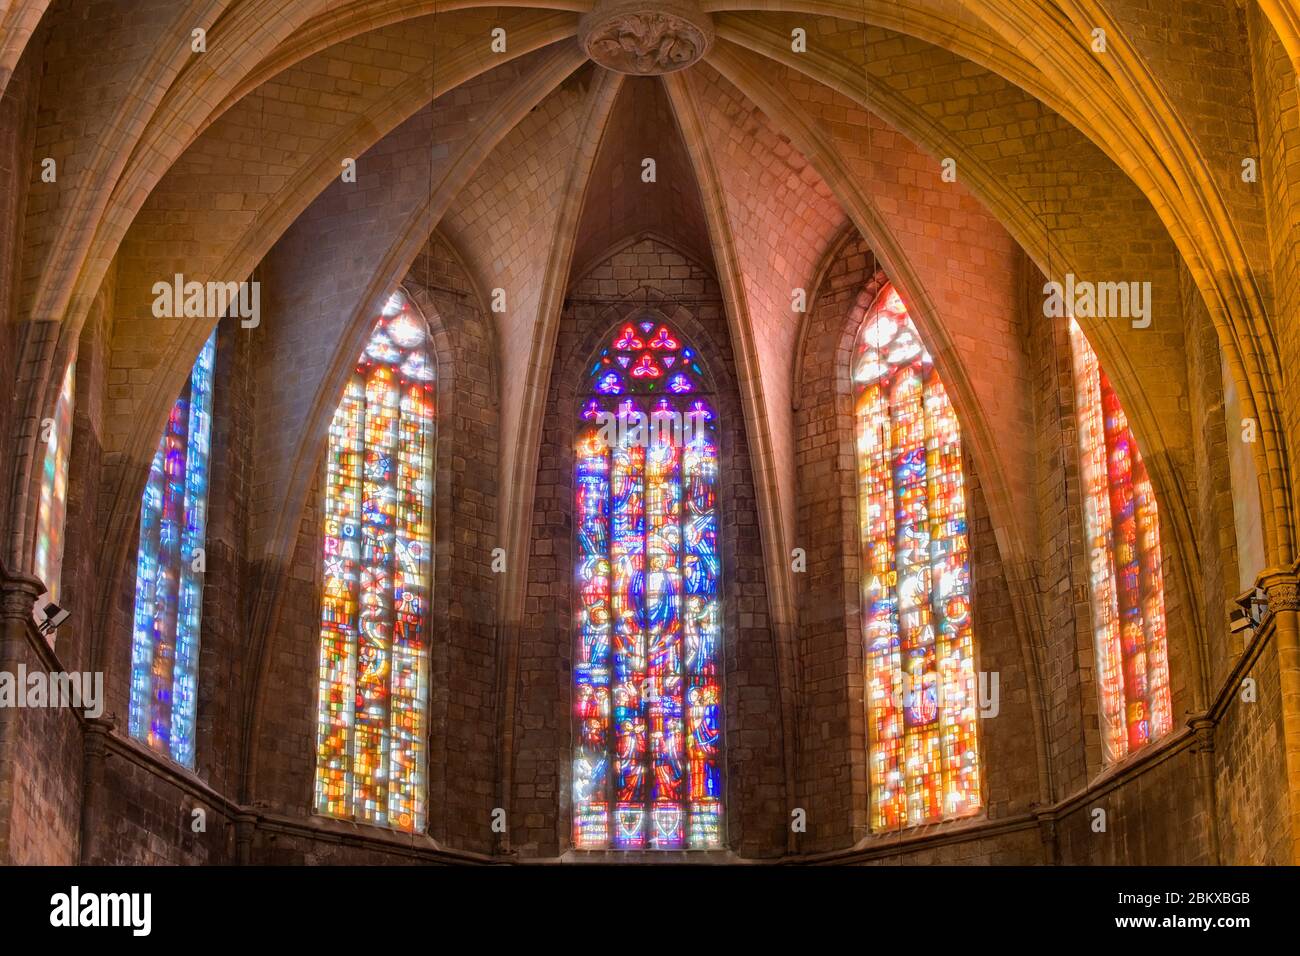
(169, 577)
(361, 571)
(924, 759)
(52, 503)
(649, 776)
(1125, 576)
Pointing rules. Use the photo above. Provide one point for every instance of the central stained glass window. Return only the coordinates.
(374, 657)
(647, 767)
(916, 593)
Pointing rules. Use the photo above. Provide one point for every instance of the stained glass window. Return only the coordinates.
(916, 592)
(377, 534)
(52, 506)
(169, 577)
(1128, 595)
(647, 698)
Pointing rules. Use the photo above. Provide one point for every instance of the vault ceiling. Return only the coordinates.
(528, 161)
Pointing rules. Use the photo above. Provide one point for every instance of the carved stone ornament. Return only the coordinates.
(646, 38)
(1282, 588)
(1283, 596)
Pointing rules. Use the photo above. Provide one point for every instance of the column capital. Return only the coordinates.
(1282, 587)
(18, 593)
(1202, 725)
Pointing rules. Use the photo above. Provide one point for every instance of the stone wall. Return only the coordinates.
(234, 166)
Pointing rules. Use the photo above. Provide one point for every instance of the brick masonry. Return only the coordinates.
(228, 167)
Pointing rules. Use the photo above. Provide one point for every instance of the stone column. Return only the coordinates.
(18, 592)
(245, 827)
(1203, 727)
(95, 753)
(1283, 590)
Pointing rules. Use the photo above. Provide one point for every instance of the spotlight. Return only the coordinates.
(48, 615)
(1249, 612)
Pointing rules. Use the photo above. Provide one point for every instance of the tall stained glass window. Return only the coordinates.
(1128, 594)
(377, 539)
(168, 579)
(647, 698)
(52, 507)
(916, 592)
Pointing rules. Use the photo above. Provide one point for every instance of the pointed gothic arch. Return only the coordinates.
(372, 714)
(917, 619)
(647, 694)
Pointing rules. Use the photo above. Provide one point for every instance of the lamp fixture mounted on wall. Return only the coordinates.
(1249, 612)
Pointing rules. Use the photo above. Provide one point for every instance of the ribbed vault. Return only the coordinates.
(369, 65)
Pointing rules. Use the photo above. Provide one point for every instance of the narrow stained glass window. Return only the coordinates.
(377, 534)
(1128, 595)
(647, 768)
(52, 507)
(168, 582)
(916, 592)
